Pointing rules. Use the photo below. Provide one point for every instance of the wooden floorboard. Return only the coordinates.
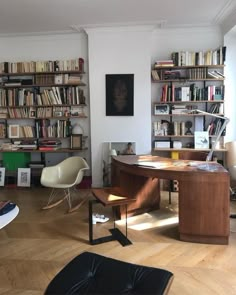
(39, 243)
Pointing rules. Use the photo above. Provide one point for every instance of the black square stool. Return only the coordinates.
(91, 273)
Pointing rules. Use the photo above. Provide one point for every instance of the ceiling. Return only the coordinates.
(51, 16)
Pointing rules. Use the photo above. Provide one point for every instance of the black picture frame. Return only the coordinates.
(119, 94)
(76, 141)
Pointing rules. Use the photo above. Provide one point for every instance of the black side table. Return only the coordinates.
(109, 197)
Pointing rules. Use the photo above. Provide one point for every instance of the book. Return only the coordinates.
(48, 148)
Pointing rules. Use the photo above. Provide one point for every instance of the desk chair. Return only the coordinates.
(231, 166)
(64, 176)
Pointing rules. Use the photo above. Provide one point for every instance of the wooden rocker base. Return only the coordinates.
(68, 198)
(54, 204)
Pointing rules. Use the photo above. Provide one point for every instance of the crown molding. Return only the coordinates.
(190, 29)
(36, 34)
(225, 12)
(119, 27)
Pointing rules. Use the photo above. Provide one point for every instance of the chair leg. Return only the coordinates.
(68, 197)
(53, 194)
(81, 202)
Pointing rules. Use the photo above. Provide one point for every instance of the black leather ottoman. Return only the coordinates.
(91, 273)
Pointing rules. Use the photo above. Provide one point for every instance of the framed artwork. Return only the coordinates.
(119, 94)
(23, 177)
(2, 176)
(14, 131)
(201, 140)
(76, 141)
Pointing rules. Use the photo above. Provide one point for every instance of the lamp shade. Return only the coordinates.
(77, 129)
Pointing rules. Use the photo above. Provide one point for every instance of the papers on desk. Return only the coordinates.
(152, 164)
(207, 167)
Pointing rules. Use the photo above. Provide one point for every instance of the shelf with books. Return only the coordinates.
(185, 82)
(41, 100)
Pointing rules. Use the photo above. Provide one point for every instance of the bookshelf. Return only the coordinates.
(185, 82)
(40, 101)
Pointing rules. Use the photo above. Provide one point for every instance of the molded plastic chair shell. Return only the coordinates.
(64, 175)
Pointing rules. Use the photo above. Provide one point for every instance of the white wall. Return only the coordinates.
(119, 51)
(230, 85)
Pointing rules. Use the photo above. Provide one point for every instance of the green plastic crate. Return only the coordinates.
(13, 161)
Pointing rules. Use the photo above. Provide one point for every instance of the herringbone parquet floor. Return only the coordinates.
(39, 243)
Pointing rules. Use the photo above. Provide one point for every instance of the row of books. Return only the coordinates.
(76, 64)
(215, 126)
(43, 128)
(52, 96)
(199, 58)
(200, 73)
(44, 145)
(42, 112)
(43, 79)
(61, 129)
(172, 93)
(161, 128)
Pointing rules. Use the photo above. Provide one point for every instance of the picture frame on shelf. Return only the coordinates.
(57, 114)
(23, 177)
(201, 140)
(76, 141)
(32, 112)
(2, 176)
(161, 109)
(13, 131)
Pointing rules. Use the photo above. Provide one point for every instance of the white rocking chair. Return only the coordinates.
(64, 176)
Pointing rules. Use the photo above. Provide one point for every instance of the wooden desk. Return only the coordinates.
(203, 194)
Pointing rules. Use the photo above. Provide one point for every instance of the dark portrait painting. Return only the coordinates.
(120, 95)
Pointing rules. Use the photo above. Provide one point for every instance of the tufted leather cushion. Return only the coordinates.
(91, 273)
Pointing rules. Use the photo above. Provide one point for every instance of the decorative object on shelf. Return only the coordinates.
(77, 129)
(23, 177)
(76, 141)
(188, 125)
(113, 152)
(120, 95)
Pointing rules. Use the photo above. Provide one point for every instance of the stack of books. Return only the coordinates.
(49, 145)
(25, 144)
(164, 63)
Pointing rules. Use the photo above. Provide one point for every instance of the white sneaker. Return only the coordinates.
(99, 218)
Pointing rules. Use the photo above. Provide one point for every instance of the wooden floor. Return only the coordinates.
(39, 243)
